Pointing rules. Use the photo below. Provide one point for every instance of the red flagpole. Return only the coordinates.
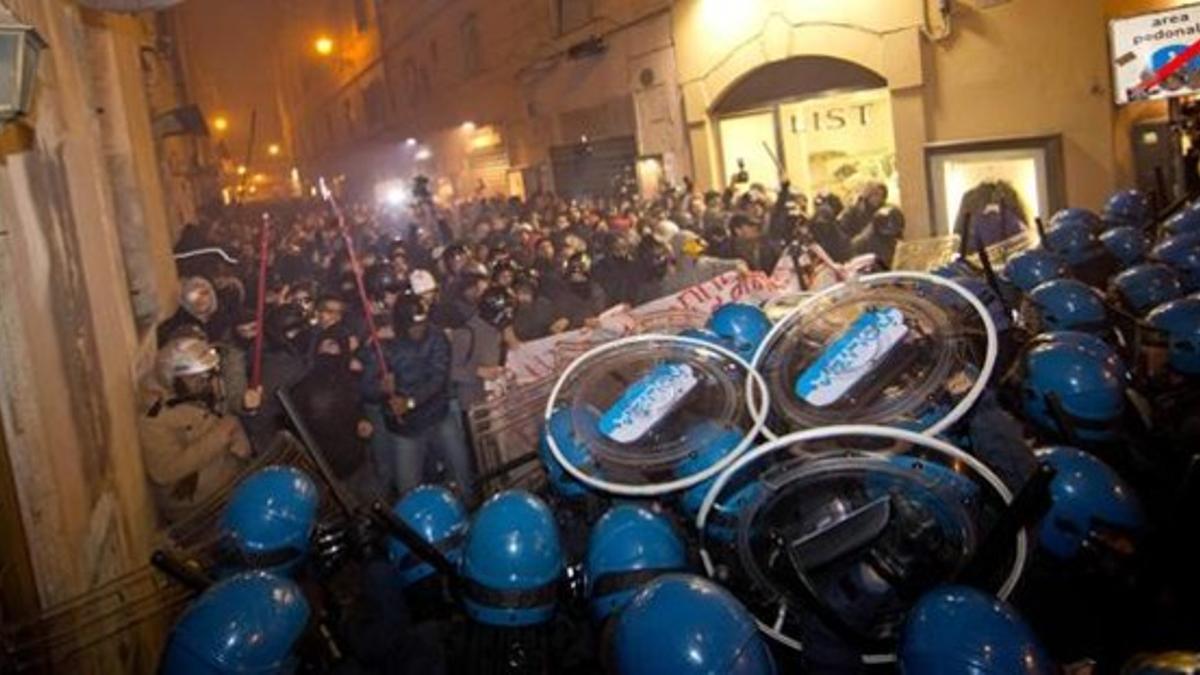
(358, 281)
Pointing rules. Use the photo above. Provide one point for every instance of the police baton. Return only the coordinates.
(314, 453)
(1027, 507)
(427, 552)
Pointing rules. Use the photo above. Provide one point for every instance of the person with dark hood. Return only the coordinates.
(545, 258)
(618, 273)
(461, 301)
(329, 401)
(417, 400)
(577, 297)
(887, 228)
(858, 217)
(750, 246)
(504, 272)
(284, 362)
(479, 347)
(825, 229)
(450, 265)
(198, 306)
(788, 216)
(657, 263)
(397, 258)
(534, 316)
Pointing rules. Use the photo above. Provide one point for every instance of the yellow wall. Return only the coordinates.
(1029, 68)
(70, 350)
(1024, 68)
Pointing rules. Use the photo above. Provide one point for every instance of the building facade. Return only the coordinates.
(925, 101)
(517, 96)
(85, 254)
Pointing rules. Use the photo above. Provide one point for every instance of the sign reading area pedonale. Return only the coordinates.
(1156, 55)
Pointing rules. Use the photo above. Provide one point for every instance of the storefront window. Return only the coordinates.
(748, 143)
(1017, 168)
(1023, 175)
(831, 143)
(837, 143)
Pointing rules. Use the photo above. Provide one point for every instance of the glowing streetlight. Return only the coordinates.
(410, 141)
(323, 45)
(273, 149)
(221, 123)
(423, 154)
(241, 170)
(468, 126)
(260, 178)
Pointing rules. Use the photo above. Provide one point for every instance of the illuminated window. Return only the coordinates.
(1025, 174)
(836, 143)
(747, 143)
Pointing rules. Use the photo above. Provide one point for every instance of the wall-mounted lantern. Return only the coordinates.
(20, 49)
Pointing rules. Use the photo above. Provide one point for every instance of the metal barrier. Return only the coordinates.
(119, 626)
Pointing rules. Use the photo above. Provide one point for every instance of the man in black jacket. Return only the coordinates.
(329, 401)
(416, 398)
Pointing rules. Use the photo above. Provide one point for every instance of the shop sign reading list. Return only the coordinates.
(832, 119)
(1156, 55)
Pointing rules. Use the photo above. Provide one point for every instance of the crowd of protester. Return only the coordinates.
(447, 289)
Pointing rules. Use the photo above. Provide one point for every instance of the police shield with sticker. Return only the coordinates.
(627, 418)
(901, 349)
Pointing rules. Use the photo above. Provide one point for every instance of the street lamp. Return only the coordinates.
(273, 149)
(221, 123)
(468, 126)
(20, 48)
(323, 45)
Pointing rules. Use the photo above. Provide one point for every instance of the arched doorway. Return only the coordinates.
(826, 121)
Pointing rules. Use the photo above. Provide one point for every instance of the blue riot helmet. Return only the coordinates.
(1066, 382)
(1181, 252)
(1186, 221)
(958, 629)
(1179, 321)
(439, 518)
(562, 426)
(683, 624)
(1144, 287)
(1074, 235)
(1090, 506)
(1071, 218)
(1065, 304)
(1029, 269)
(743, 326)
(630, 546)
(1094, 347)
(1128, 208)
(270, 518)
(714, 443)
(248, 623)
(512, 561)
(1126, 244)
